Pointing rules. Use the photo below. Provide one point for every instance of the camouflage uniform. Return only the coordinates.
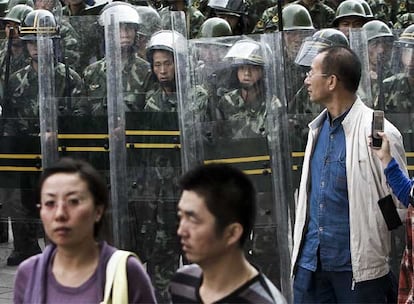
(194, 20)
(250, 118)
(135, 77)
(70, 44)
(164, 253)
(24, 96)
(158, 100)
(398, 94)
(403, 21)
(16, 63)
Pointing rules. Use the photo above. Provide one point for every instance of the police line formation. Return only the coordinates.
(148, 89)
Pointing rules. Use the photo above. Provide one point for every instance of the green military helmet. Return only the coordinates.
(349, 8)
(122, 11)
(311, 46)
(215, 27)
(376, 29)
(150, 20)
(296, 17)
(367, 9)
(166, 40)
(17, 14)
(245, 51)
(13, 3)
(39, 22)
(234, 7)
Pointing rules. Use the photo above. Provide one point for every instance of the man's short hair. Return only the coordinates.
(228, 194)
(345, 64)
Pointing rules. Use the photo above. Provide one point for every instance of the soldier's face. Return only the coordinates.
(197, 231)
(32, 49)
(350, 22)
(407, 57)
(377, 48)
(249, 75)
(127, 34)
(293, 41)
(11, 29)
(164, 67)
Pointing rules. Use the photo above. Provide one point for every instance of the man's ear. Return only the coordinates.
(333, 82)
(233, 233)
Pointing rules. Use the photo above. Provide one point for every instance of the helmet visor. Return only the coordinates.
(308, 50)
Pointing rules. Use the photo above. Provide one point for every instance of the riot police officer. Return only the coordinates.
(245, 104)
(397, 88)
(24, 105)
(163, 51)
(380, 39)
(349, 14)
(135, 73)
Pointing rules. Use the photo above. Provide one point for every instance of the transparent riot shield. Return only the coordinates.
(116, 129)
(359, 44)
(21, 159)
(279, 128)
(145, 146)
(228, 116)
(300, 110)
(296, 94)
(47, 103)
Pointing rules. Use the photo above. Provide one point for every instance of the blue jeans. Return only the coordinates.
(336, 287)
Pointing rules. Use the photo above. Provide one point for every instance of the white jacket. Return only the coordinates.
(370, 238)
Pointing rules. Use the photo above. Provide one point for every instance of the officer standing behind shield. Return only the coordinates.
(246, 105)
(163, 258)
(398, 91)
(135, 73)
(24, 95)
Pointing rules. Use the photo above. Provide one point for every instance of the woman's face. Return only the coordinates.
(68, 210)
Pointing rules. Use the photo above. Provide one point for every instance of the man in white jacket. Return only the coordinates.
(341, 242)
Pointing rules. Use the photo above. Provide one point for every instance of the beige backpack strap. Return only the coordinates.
(116, 282)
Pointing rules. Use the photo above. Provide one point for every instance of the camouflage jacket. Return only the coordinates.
(135, 82)
(70, 44)
(398, 94)
(249, 119)
(24, 92)
(16, 63)
(194, 20)
(156, 100)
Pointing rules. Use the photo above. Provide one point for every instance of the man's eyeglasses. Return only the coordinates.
(310, 74)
